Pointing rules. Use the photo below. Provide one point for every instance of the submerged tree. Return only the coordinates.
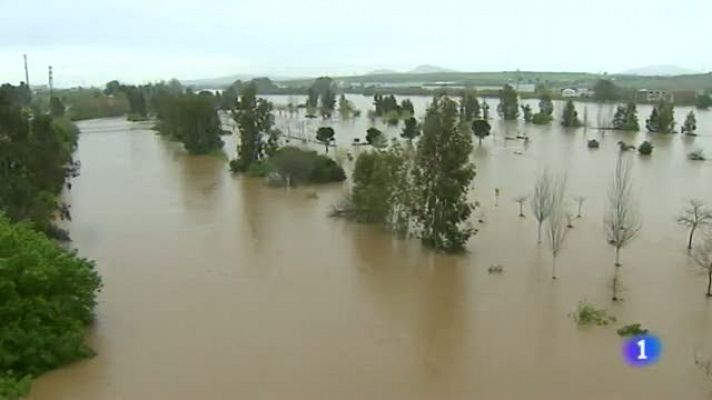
(702, 255)
(328, 103)
(541, 201)
(527, 111)
(626, 118)
(546, 110)
(485, 110)
(521, 200)
(443, 174)
(557, 226)
(481, 128)
(508, 107)
(569, 118)
(690, 125)
(469, 106)
(622, 222)
(661, 118)
(695, 215)
(411, 130)
(346, 109)
(579, 201)
(254, 119)
(325, 135)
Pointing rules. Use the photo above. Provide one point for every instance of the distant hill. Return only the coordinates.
(382, 72)
(429, 69)
(660, 70)
(223, 81)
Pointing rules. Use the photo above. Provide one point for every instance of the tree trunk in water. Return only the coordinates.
(618, 256)
(689, 241)
(615, 284)
(521, 210)
(326, 146)
(709, 282)
(538, 237)
(553, 268)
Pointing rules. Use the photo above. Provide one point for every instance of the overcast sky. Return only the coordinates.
(90, 42)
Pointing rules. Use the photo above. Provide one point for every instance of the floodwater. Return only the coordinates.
(219, 287)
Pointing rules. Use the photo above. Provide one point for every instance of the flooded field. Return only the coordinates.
(217, 286)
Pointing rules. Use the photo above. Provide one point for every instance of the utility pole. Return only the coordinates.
(27, 74)
(51, 82)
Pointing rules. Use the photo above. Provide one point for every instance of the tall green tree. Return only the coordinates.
(328, 103)
(411, 130)
(469, 106)
(255, 120)
(508, 107)
(626, 118)
(661, 118)
(442, 174)
(569, 118)
(703, 100)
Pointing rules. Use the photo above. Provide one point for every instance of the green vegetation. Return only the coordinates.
(690, 125)
(586, 314)
(645, 148)
(48, 295)
(346, 108)
(481, 128)
(569, 119)
(508, 107)
(93, 103)
(546, 110)
(375, 138)
(631, 330)
(527, 111)
(626, 118)
(325, 135)
(296, 166)
(469, 105)
(442, 175)
(255, 120)
(662, 118)
(387, 107)
(411, 129)
(605, 90)
(35, 160)
(703, 101)
(191, 119)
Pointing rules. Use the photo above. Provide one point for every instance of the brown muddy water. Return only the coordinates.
(218, 287)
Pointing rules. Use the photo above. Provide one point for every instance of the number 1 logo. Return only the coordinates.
(641, 351)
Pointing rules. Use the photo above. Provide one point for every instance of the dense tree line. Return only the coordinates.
(47, 292)
(190, 118)
(35, 159)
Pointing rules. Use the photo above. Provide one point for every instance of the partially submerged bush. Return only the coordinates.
(593, 144)
(697, 155)
(645, 148)
(587, 314)
(297, 165)
(632, 330)
(47, 297)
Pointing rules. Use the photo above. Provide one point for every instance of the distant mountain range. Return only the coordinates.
(420, 69)
(660, 70)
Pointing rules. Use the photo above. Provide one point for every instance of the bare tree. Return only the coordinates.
(702, 255)
(541, 200)
(579, 200)
(521, 200)
(556, 227)
(694, 216)
(622, 222)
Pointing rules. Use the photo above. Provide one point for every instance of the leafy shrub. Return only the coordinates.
(593, 144)
(587, 314)
(326, 170)
(259, 168)
(47, 297)
(632, 330)
(645, 148)
(541, 118)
